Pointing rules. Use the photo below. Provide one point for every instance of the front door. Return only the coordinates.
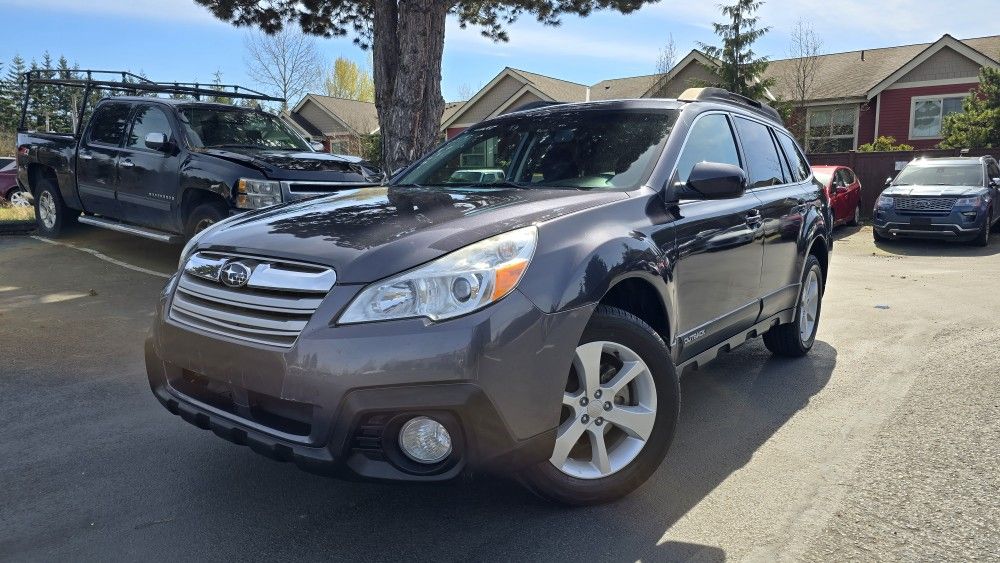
(719, 251)
(148, 178)
(97, 159)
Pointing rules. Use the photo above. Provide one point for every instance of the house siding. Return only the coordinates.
(866, 123)
(946, 64)
(453, 132)
(320, 119)
(894, 115)
(525, 98)
(485, 106)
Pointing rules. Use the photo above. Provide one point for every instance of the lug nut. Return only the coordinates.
(598, 421)
(597, 394)
(585, 419)
(607, 405)
(584, 401)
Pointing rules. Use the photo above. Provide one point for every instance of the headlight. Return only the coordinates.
(884, 202)
(254, 194)
(969, 201)
(458, 283)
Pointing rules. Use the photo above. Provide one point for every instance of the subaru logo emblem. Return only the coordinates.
(235, 274)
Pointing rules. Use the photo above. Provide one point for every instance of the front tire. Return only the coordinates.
(202, 217)
(619, 412)
(796, 338)
(983, 238)
(51, 213)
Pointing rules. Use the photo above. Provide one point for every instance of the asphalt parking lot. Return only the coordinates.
(880, 445)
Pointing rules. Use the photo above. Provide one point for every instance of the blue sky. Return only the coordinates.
(180, 40)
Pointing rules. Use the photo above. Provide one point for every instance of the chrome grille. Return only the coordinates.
(925, 204)
(270, 306)
(320, 188)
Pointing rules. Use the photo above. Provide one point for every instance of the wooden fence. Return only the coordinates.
(873, 168)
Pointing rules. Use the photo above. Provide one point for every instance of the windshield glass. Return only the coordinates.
(583, 149)
(213, 127)
(941, 175)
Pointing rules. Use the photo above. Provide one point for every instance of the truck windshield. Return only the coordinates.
(580, 149)
(212, 127)
(941, 175)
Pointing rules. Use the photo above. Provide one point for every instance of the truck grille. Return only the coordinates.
(248, 298)
(927, 205)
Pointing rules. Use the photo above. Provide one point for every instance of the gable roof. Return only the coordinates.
(554, 88)
(623, 88)
(360, 117)
(450, 108)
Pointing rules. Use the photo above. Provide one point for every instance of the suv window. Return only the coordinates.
(800, 170)
(149, 120)
(710, 140)
(992, 170)
(108, 125)
(762, 155)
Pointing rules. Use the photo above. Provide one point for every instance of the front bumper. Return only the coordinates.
(333, 401)
(954, 226)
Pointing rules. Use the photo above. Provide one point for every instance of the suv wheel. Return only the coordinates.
(797, 337)
(619, 412)
(51, 213)
(19, 198)
(983, 238)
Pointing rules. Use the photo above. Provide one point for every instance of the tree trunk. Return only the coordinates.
(407, 49)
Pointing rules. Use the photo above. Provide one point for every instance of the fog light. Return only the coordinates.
(425, 440)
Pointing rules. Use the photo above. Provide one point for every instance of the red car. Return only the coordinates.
(9, 190)
(844, 190)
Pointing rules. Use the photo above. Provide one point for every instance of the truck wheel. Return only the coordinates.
(855, 219)
(619, 412)
(797, 338)
(202, 217)
(51, 213)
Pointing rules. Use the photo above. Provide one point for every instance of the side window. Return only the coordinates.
(149, 120)
(762, 155)
(993, 170)
(108, 124)
(848, 176)
(710, 140)
(800, 170)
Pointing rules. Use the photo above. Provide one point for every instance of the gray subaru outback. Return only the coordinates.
(530, 325)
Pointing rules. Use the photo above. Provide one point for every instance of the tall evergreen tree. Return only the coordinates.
(978, 124)
(740, 69)
(12, 93)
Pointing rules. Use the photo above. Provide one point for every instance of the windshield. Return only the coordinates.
(582, 149)
(213, 127)
(941, 175)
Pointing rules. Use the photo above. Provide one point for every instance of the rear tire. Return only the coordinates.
(202, 217)
(614, 431)
(51, 214)
(796, 338)
(855, 219)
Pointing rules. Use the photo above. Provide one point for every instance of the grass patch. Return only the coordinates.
(10, 214)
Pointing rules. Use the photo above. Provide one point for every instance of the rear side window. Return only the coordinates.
(762, 156)
(710, 140)
(800, 169)
(108, 124)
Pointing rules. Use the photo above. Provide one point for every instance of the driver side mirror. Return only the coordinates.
(317, 146)
(995, 182)
(714, 180)
(157, 142)
(888, 181)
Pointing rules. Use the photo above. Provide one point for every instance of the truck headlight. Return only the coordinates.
(458, 283)
(884, 202)
(969, 201)
(254, 194)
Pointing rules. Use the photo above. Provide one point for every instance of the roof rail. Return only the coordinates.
(725, 96)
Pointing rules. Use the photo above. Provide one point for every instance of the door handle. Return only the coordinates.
(126, 163)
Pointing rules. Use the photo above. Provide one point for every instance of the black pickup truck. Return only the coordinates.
(165, 168)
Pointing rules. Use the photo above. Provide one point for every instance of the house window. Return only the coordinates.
(927, 114)
(831, 129)
(481, 155)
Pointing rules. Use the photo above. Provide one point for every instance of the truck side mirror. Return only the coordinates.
(715, 180)
(318, 147)
(888, 181)
(156, 141)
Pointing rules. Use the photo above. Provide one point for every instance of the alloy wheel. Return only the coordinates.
(809, 306)
(19, 198)
(857, 214)
(47, 209)
(609, 409)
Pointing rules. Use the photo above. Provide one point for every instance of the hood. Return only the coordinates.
(366, 234)
(304, 165)
(934, 191)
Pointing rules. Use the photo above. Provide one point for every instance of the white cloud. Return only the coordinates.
(169, 10)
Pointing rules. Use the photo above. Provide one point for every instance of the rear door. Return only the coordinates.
(97, 159)
(718, 242)
(148, 179)
(781, 186)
